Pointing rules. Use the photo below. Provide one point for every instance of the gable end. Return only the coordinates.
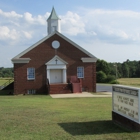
(17, 58)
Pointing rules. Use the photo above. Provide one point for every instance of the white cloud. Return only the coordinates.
(27, 35)
(72, 24)
(118, 26)
(34, 20)
(95, 29)
(10, 14)
(28, 17)
(6, 33)
(121, 25)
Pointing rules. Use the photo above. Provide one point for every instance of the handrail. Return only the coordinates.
(6, 83)
(48, 85)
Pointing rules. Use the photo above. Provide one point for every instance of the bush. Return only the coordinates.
(100, 77)
(110, 78)
(114, 82)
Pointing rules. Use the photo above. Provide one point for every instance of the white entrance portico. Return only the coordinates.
(56, 70)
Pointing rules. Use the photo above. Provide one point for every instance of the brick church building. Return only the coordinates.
(54, 65)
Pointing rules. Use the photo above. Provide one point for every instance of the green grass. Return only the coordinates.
(135, 82)
(34, 117)
(130, 81)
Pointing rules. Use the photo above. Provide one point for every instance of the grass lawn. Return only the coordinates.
(36, 117)
(135, 82)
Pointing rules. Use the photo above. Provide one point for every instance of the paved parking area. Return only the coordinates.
(79, 95)
(103, 87)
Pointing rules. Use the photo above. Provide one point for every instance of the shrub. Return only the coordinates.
(110, 78)
(101, 77)
(114, 82)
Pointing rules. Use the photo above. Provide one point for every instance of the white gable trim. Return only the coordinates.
(88, 60)
(21, 60)
(76, 45)
(33, 46)
(56, 67)
(47, 37)
(59, 61)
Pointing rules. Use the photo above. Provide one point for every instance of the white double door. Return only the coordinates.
(56, 76)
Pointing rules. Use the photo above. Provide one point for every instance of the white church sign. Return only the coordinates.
(126, 102)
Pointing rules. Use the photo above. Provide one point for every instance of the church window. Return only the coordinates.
(80, 72)
(30, 73)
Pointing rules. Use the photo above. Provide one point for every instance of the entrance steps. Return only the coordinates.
(60, 88)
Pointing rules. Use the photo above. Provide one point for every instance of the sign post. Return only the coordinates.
(126, 106)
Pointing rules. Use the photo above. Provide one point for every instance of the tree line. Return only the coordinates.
(109, 72)
(6, 72)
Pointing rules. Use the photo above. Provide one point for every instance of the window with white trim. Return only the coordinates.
(30, 73)
(80, 72)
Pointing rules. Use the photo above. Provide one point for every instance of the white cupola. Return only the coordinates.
(53, 22)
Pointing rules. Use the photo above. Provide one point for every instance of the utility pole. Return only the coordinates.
(116, 71)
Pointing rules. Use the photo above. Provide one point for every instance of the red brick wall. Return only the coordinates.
(42, 54)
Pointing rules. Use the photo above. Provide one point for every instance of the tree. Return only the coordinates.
(103, 66)
(100, 77)
(6, 72)
(125, 70)
(138, 69)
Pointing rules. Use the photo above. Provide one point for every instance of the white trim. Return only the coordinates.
(88, 60)
(60, 64)
(60, 61)
(48, 74)
(33, 46)
(21, 60)
(33, 73)
(64, 76)
(56, 67)
(74, 44)
(81, 70)
(47, 37)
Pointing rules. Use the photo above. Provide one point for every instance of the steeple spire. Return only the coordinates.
(53, 15)
(53, 22)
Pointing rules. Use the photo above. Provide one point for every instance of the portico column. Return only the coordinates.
(48, 74)
(64, 76)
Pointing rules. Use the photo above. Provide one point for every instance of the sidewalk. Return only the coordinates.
(83, 94)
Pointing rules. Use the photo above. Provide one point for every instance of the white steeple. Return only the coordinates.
(53, 22)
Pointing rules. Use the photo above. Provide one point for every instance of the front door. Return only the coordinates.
(56, 76)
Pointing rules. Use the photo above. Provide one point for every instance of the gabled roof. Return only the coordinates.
(53, 15)
(47, 37)
(56, 60)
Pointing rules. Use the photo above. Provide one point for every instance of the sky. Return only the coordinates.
(109, 29)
